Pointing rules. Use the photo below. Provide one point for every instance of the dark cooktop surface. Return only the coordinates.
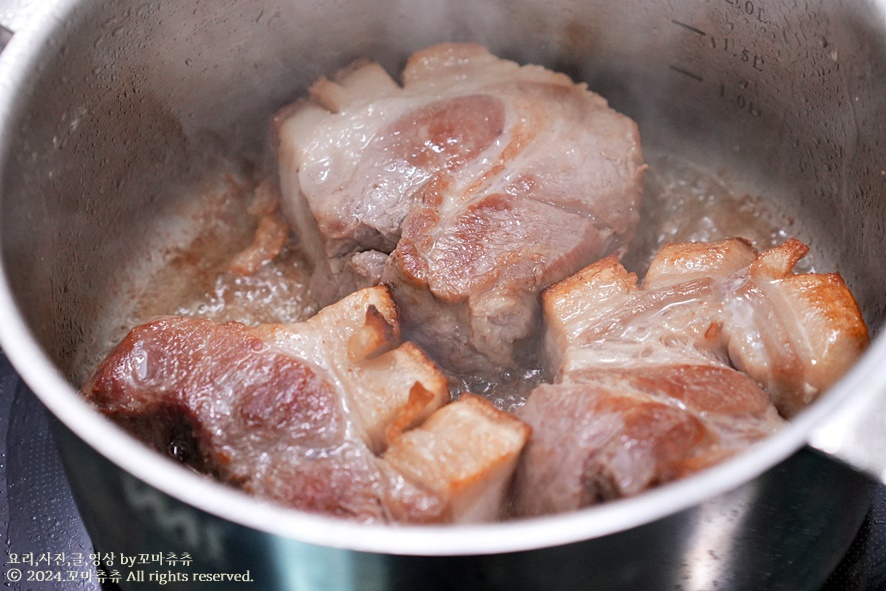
(39, 517)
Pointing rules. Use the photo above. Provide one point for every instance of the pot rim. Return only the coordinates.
(16, 64)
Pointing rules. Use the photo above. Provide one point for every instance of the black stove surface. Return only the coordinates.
(41, 523)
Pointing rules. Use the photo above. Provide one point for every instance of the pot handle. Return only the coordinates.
(856, 433)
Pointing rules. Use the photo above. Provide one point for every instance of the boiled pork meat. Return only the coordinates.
(614, 433)
(305, 414)
(464, 455)
(467, 189)
(794, 334)
(656, 382)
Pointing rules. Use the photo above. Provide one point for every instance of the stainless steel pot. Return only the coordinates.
(112, 112)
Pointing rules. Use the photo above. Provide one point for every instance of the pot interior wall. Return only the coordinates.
(131, 106)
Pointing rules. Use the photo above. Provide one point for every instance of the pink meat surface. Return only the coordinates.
(656, 382)
(305, 414)
(467, 189)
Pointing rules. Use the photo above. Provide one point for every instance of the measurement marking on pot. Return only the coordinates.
(739, 100)
(689, 28)
(692, 75)
(749, 8)
(728, 45)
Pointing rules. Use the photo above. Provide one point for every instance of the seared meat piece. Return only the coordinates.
(646, 388)
(614, 433)
(795, 334)
(484, 181)
(465, 454)
(295, 413)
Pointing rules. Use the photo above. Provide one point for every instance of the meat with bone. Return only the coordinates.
(303, 413)
(646, 388)
(467, 189)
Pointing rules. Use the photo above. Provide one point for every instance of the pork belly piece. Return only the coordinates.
(614, 433)
(298, 413)
(467, 189)
(795, 334)
(465, 454)
(646, 387)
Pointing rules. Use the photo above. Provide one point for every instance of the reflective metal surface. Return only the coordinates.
(39, 522)
(5, 36)
(37, 511)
